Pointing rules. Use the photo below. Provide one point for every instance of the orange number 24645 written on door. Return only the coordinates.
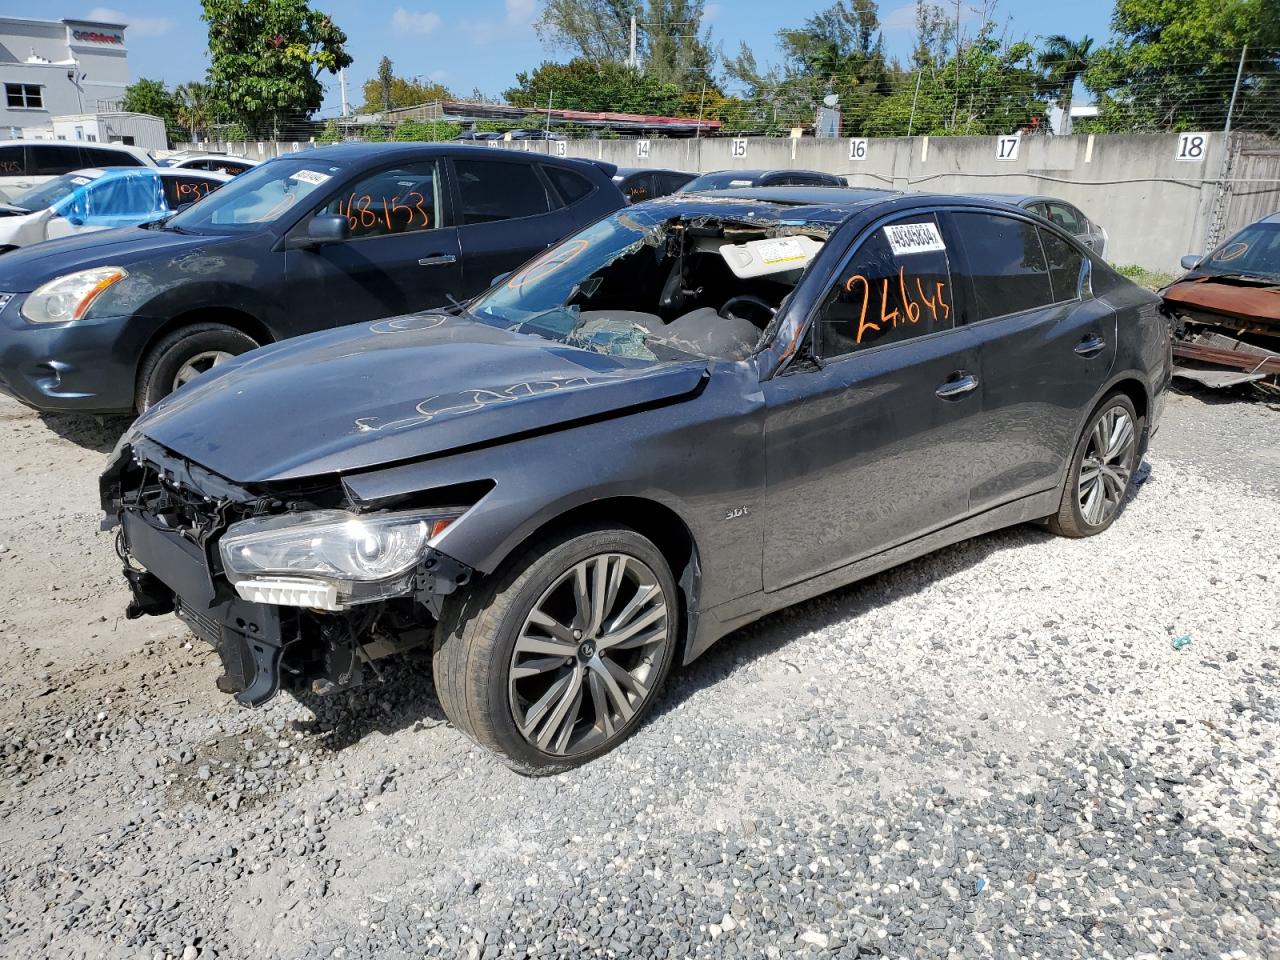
(911, 311)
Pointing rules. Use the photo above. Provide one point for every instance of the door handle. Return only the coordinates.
(960, 384)
(437, 260)
(1090, 346)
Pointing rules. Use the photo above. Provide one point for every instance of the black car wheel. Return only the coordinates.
(560, 656)
(183, 355)
(1101, 472)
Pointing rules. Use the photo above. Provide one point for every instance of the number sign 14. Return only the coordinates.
(1192, 147)
(858, 148)
(642, 149)
(1007, 147)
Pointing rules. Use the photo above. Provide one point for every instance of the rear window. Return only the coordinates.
(1005, 263)
(50, 160)
(101, 157)
(571, 186)
(1065, 262)
(492, 190)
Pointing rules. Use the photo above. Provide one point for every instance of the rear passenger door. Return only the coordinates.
(1046, 346)
(506, 214)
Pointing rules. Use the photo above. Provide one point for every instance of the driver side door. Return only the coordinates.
(403, 254)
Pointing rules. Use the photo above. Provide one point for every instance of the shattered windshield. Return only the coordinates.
(1254, 252)
(659, 283)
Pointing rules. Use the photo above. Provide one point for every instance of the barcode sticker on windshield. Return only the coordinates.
(781, 251)
(907, 238)
(309, 176)
(80, 181)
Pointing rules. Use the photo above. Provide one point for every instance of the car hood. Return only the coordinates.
(411, 387)
(21, 271)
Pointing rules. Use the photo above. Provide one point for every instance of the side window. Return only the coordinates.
(493, 190)
(403, 200)
(98, 157)
(1065, 262)
(13, 161)
(571, 186)
(1067, 217)
(230, 167)
(180, 190)
(895, 287)
(638, 188)
(51, 160)
(1005, 263)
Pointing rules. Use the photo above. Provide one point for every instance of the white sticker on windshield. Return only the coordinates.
(80, 181)
(739, 183)
(907, 238)
(783, 250)
(309, 176)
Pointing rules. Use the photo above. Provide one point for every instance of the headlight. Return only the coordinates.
(69, 298)
(328, 558)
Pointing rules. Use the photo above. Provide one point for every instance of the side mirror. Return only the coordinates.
(1189, 261)
(326, 228)
(499, 278)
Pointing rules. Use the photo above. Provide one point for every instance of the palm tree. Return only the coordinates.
(1063, 61)
(193, 106)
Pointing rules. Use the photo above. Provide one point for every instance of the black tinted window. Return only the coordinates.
(180, 190)
(896, 286)
(401, 200)
(12, 160)
(1065, 262)
(571, 186)
(492, 190)
(100, 157)
(50, 160)
(638, 187)
(1005, 263)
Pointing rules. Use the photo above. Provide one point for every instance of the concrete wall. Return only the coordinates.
(1154, 207)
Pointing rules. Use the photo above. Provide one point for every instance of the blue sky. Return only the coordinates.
(483, 43)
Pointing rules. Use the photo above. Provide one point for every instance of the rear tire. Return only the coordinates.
(184, 353)
(1101, 471)
(546, 676)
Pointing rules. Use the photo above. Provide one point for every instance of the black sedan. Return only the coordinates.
(647, 183)
(336, 235)
(696, 411)
(737, 179)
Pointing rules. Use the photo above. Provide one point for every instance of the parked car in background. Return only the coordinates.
(694, 412)
(472, 136)
(644, 183)
(1068, 217)
(335, 235)
(89, 200)
(217, 162)
(734, 179)
(28, 163)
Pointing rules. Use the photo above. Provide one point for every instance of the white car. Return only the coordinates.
(217, 162)
(98, 199)
(28, 163)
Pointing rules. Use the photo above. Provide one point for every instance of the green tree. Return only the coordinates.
(153, 98)
(330, 133)
(1064, 61)
(583, 85)
(429, 131)
(594, 30)
(386, 91)
(1173, 64)
(193, 108)
(266, 57)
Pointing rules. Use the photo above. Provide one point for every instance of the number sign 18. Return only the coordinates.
(1007, 147)
(738, 148)
(858, 148)
(1192, 147)
(642, 149)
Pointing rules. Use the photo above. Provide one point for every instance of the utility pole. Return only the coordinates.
(911, 124)
(631, 60)
(342, 85)
(1220, 197)
(546, 142)
(702, 103)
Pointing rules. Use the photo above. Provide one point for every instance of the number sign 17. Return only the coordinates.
(1007, 147)
(1192, 147)
(858, 148)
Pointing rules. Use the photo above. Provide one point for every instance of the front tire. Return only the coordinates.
(1101, 470)
(184, 354)
(557, 659)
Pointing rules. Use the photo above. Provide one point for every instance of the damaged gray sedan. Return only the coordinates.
(694, 412)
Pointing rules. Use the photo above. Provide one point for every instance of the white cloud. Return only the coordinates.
(520, 13)
(899, 18)
(711, 11)
(138, 26)
(519, 17)
(407, 21)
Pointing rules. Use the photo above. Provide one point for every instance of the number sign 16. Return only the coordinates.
(858, 148)
(1192, 147)
(738, 148)
(1007, 147)
(642, 149)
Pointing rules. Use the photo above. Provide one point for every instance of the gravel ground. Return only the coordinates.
(994, 751)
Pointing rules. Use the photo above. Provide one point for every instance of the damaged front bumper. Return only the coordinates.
(171, 514)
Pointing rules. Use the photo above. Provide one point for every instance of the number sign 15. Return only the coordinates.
(1192, 147)
(858, 148)
(642, 149)
(738, 148)
(1007, 147)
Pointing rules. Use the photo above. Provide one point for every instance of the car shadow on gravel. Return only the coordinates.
(97, 433)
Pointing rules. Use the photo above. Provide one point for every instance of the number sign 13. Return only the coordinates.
(1007, 147)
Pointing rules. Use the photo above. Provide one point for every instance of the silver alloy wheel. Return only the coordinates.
(586, 651)
(1107, 465)
(205, 360)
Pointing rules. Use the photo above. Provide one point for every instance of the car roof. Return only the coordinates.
(832, 197)
(830, 205)
(364, 152)
(628, 171)
(1019, 199)
(188, 157)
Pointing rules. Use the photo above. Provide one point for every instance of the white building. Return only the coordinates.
(59, 68)
(132, 129)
